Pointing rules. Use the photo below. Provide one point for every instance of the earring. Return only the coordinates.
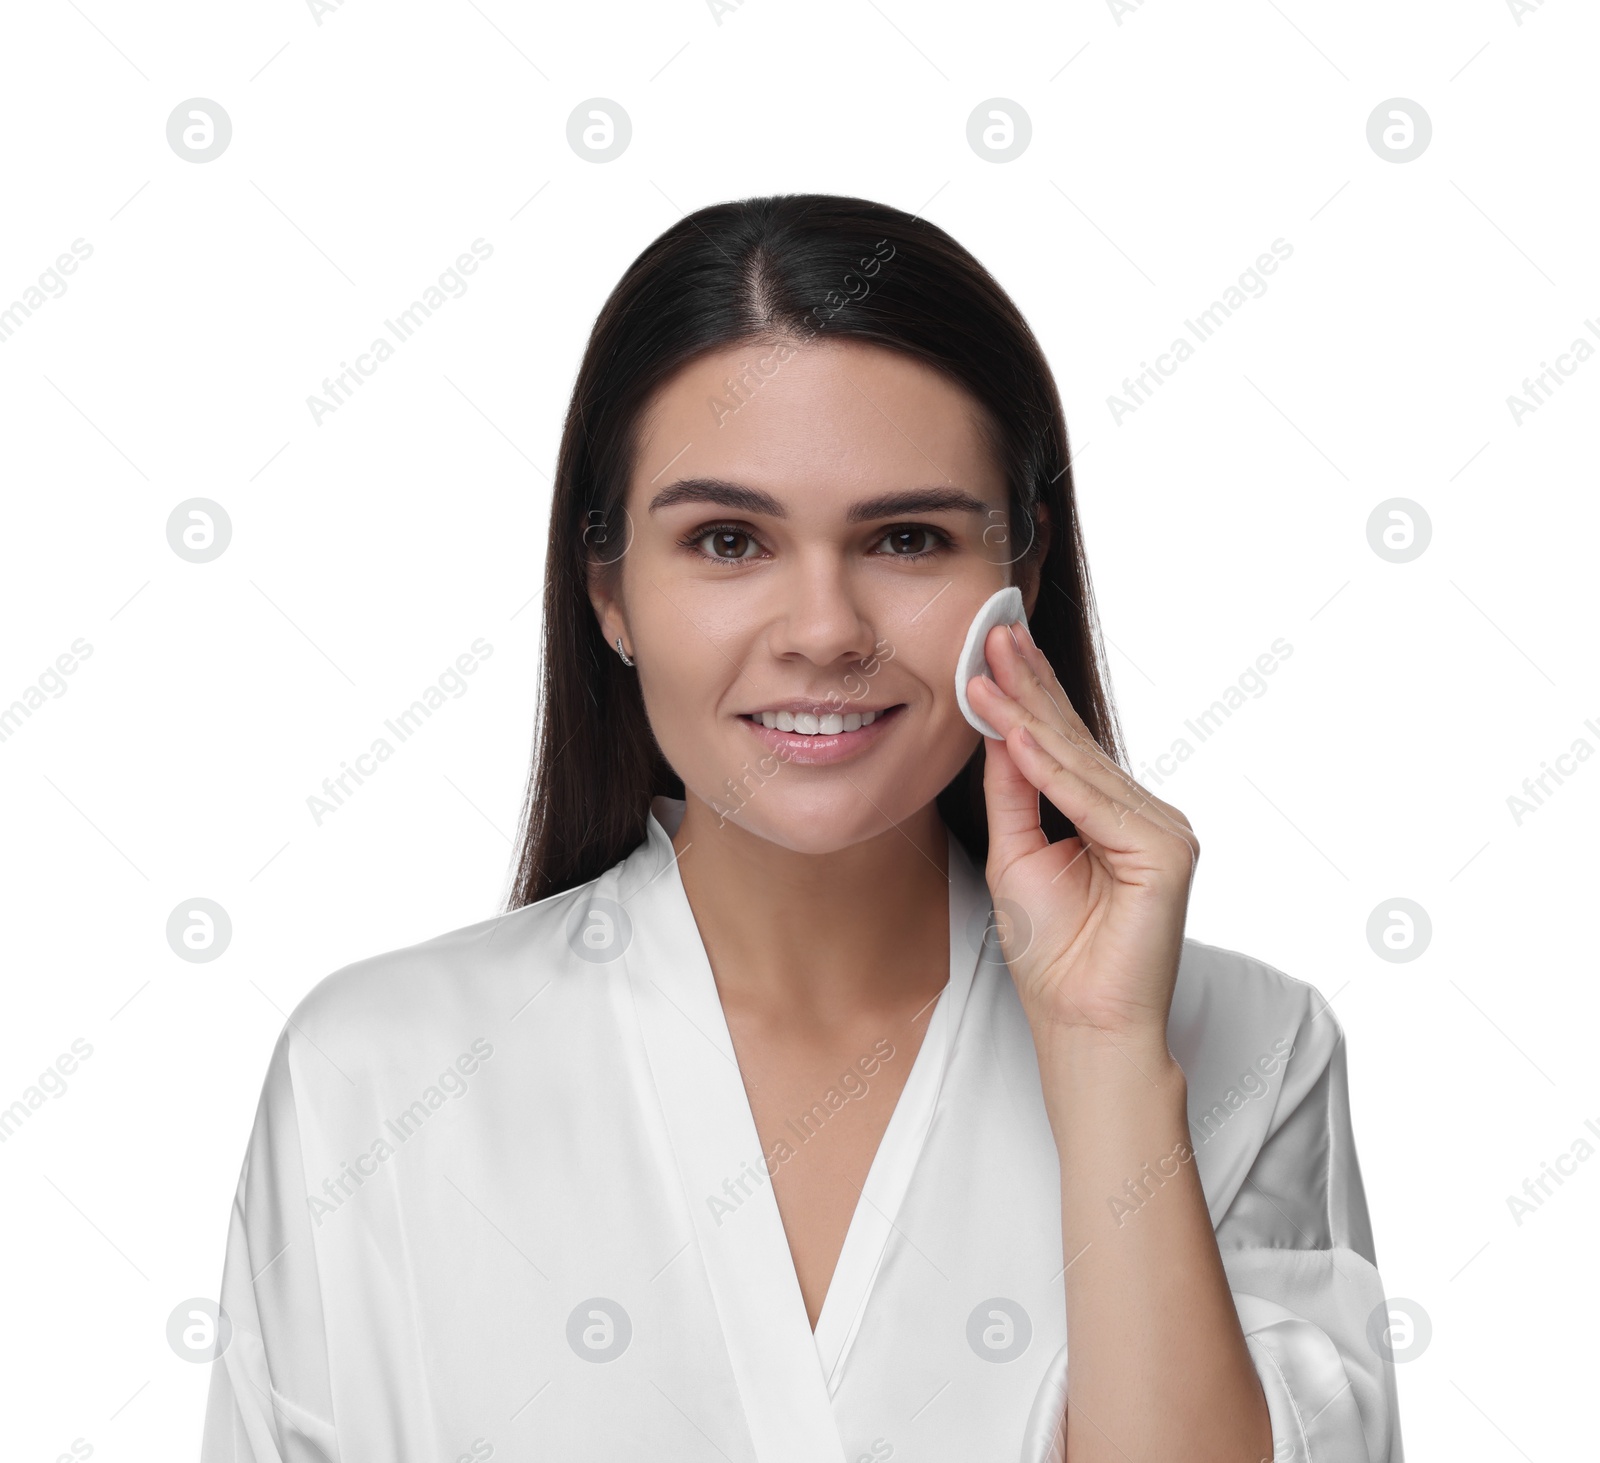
(623, 653)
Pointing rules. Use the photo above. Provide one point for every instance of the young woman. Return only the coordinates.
(840, 1084)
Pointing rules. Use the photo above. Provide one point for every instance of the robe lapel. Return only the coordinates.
(719, 1157)
(896, 1159)
(786, 1375)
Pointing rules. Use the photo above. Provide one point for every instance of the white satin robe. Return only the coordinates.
(504, 1198)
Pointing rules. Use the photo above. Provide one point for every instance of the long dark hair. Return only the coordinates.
(793, 266)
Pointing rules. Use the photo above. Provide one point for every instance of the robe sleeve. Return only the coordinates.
(1297, 1246)
(270, 1398)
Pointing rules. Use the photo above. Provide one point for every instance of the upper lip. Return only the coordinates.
(820, 708)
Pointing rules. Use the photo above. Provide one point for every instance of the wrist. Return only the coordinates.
(1091, 1049)
(1110, 1081)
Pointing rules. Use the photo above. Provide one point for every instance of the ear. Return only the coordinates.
(1033, 563)
(608, 611)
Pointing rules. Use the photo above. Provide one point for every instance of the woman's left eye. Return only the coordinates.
(904, 541)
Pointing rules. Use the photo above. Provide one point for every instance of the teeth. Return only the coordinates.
(807, 723)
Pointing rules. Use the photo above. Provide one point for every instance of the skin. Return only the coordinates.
(820, 892)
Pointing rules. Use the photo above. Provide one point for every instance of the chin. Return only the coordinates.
(822, 820)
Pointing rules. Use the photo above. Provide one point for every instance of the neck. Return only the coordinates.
(819, 937)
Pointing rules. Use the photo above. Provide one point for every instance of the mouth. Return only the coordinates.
(820, 738)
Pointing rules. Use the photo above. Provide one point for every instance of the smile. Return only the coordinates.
(811, 724)
(810, 737)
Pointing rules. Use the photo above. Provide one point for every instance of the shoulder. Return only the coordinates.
(481, 971)
(1232, 1011)
(1262, 1054)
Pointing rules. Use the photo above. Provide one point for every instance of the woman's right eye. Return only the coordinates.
(725, 543)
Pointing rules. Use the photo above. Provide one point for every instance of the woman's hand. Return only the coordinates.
(1092, 926)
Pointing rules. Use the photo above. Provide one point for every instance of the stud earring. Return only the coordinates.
(623, 653)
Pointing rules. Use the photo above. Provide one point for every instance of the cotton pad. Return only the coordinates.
(1003, 607)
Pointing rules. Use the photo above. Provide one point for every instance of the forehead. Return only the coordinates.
(834, 419)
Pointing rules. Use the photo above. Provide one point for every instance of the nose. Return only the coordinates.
(820, 616)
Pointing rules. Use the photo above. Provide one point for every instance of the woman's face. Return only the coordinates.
(821, 537)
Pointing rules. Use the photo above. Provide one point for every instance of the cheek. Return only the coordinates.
(679, 694)
(940, 738)
(689, 677)
(919, 665)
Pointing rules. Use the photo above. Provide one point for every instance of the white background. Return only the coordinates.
(1168, 150)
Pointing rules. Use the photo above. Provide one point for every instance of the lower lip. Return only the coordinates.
(818, 750)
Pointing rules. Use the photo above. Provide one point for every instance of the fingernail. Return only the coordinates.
(1026, 738)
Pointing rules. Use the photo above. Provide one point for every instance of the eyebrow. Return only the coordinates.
(744, 499)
